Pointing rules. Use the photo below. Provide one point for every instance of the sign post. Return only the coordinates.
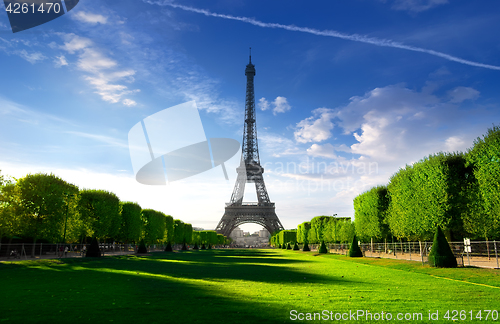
(467, 248)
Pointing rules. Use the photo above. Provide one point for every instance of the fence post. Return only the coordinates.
(409, 249)
(496, 254)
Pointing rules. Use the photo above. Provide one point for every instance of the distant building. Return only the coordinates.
(244, 239)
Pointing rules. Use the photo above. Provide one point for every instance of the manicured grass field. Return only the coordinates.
(240, 286)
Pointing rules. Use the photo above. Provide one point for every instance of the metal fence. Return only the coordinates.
(481, 254)
(68, 250)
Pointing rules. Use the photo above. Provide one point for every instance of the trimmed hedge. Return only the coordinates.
(354, 250)
(306, 248)
(296, 247)
(142, 248)
(441, 254)
(168, 248)
(322, 248)
(93, 250)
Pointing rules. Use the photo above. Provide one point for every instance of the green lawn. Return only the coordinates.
(239, 286)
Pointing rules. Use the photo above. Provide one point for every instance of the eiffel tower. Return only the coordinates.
(238, 212)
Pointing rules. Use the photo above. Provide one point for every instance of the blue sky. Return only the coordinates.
(347, 92)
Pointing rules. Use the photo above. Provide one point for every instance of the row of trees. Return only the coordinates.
(327, 229)
(460, 192)
(44, 206)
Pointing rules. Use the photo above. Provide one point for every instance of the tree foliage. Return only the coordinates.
(132, 225)
(370, 209)
(42, 203)
(154, 226)
(483, 218)
(178, 231)
(431, 192)
(101, 210)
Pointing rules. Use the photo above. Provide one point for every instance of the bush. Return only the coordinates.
(296, 247)
(441, 254)
(142, 248)
(288, 246)
(93, 250)
(184, 247)
(168, 248)
(196, 246)
(354, 250)
(306, 248)
(203, 247)
(322, 248)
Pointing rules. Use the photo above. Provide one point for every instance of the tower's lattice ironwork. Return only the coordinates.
(238, 212)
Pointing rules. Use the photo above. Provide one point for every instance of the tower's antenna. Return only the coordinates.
(250, 55)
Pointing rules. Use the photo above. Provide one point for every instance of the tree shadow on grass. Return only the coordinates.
(168, 288)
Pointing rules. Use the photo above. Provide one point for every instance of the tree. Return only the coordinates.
(188, 233)
(484, 157)
(319, 225)
(131, 227)
(10, 223)
(431, 192)
(346, 231)
(211, 238)
(154, 226)
(370, 209)
(42, 205)
(178, 231)
(303, 232)
(169, 229)
(101, 210)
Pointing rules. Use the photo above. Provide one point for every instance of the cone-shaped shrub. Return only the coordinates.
(184, 247)
(322, 248)
(203, 247)
(283, 246)
(288, 246)
(168, 248)
(142, 248)
(441, 254)
(354, 250)
(196, 246)
(306, 247)
(279, 246)
(209, 246)
(296, 247)
(93, 250)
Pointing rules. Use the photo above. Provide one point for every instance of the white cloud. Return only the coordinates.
(460, 94)
(326, 150)
(454, 143)
(316, 128)
(277, 145)
(129, 102)
(417, 5)
(94, 61)
(74, 42)
(90, 18)
(60, 61)
(263, 104)
(33, 57)
(280, 105)
(103, 75)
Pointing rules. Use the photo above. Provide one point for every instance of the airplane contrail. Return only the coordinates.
(329, 33)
